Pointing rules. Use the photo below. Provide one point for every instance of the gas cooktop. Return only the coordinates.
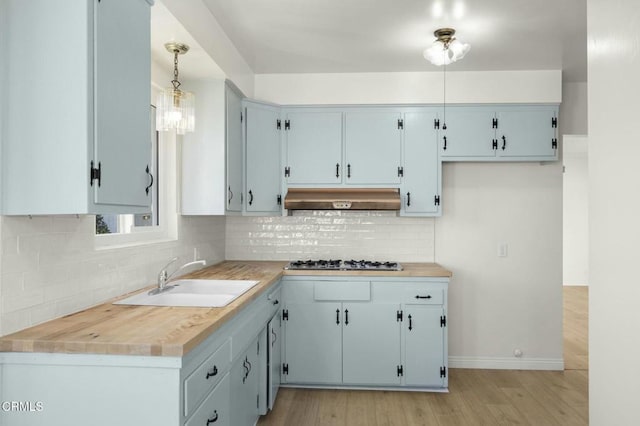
(343, 265)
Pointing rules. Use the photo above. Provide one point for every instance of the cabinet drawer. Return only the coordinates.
(216, 407)
(275, 300)
(205, 377)
(342, 290)
(415, 293)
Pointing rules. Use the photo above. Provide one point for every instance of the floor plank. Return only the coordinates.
(476, 397)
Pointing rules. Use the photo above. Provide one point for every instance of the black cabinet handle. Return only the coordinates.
(150, 184)
(213, 372)
(246, 369)
(348, 170)
(445, 143)
(410, 323)
(250, 197)
(346, 317)
(504, 142)
(428, 296)
(337, 316)
(408, 199)
(230, 195)
(275, 302)
(337, 170)
(214, 418)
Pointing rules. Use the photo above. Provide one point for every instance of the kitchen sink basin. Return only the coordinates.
(194, 293)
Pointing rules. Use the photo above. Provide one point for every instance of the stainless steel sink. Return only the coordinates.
(193, 293)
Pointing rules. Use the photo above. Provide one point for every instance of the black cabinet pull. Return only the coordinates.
(146, 190)
(214, 418)
(504, 142)
(275, 302)
(348, 170)
(337, 170)
(408, 199)
(445, 143)
(250, 197)
(246, 369)
(410, 323)
(230, 195)
(346, 317)
(337, 316)
(428, 296)
(213, 372)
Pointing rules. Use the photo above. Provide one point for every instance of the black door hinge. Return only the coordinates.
(494, 144)
(400, 171)
(278, 124)
(285, 368)
(400, 124)
(443, 371)
(443, 321)
(554, 122)
(285, 314)
(287, 124)
(495, 123)
(400, 370)
(436, 200)
(554, 143)
(287, 171)
(399, 315)
(95, 174)
(436, 123)
(279, 199)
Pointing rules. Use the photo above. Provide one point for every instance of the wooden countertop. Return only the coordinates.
(166, 331)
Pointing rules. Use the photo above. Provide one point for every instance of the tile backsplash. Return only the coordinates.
(51, 268)
(331, 234)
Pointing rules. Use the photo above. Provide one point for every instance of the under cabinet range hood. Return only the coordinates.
(342, 199)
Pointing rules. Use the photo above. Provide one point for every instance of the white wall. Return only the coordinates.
(497, 304)
(614, 203)
(575, 225)
(573, 110)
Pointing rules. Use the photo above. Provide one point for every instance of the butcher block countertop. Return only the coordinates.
(167, 331)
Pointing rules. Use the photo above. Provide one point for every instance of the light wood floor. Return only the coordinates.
(476, 397)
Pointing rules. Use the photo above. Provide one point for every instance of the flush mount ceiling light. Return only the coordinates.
(175, 107)
(446, 49)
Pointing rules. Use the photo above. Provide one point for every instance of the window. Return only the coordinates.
(159, 223)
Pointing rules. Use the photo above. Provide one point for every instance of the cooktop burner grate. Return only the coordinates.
(347, 265)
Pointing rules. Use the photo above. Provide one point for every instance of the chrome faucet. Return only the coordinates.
(164, 277)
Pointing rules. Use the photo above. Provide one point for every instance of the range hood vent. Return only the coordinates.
(342, 199)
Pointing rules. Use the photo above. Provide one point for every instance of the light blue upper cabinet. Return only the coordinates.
(466, 132)
(76, 128)
(234, 166)
(313, 141)
(527, 132)
(262, 139)
(373, 153)
(421, 182)
(499, 133)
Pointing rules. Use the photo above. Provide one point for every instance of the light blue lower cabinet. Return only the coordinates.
(220, 382)
(390, 335)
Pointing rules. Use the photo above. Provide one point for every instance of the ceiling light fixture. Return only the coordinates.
(446, 48)
(175, 108)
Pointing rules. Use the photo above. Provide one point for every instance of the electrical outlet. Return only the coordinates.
(503, 249)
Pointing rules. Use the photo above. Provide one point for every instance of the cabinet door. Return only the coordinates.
(371, 344)
(244, 388)
(263, 158)
(424, 345)
(314, 147)
(422, 168)
(527, 132)
(122, 103)
(233, 106)
(373, 147)
(274, 336)
(313, 349)
(469, 132)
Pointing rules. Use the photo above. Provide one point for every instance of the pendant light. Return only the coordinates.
(175, 107)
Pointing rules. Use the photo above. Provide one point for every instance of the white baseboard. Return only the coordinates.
(552, 364)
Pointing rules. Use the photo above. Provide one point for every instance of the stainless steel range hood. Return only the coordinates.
(342, 199)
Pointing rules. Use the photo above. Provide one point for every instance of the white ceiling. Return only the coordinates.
(301, 36)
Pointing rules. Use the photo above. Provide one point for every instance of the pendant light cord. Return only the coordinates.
(444, 90)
